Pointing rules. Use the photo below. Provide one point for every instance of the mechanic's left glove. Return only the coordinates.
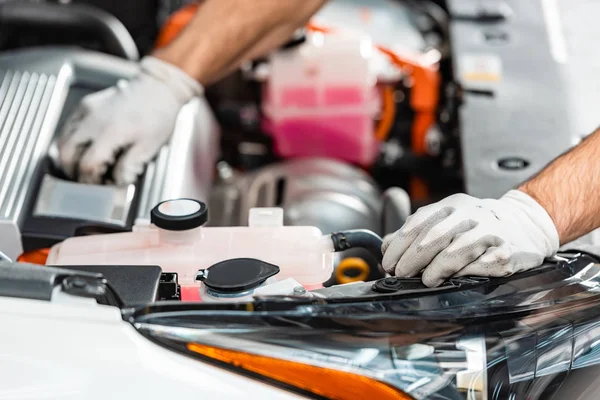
(463, 235)
(131, 120)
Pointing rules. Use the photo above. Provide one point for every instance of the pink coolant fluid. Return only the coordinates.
(321, 100)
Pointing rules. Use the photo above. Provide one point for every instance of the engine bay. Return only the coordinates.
(283, 180)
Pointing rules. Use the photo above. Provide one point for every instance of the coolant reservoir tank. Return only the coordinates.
(321, 99)
(178, 242)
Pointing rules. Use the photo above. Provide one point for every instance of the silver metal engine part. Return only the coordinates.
(38, 89)
(531, 86)
(325, 193)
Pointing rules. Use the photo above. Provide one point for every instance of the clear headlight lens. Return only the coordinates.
(338, 364)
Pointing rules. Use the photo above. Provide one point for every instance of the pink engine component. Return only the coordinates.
(321, 101)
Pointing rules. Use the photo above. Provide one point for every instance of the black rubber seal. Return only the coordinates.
(179, 222)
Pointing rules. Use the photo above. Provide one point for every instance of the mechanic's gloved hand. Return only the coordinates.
(131, 120)
(462, 235)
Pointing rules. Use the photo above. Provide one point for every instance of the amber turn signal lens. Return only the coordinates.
(324, 382)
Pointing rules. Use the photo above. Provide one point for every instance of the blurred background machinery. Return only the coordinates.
(440, 99)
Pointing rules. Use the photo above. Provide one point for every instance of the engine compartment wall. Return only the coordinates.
(524, 96)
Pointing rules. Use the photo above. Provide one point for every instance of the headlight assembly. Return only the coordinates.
(335, 364)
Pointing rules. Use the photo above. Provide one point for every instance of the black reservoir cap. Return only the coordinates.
(237, 275)
(179, 214)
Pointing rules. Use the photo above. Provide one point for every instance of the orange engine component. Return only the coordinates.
(38, 256)
(349, 264)
(424, 101)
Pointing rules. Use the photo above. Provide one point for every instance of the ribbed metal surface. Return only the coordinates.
(24, 101)
(153, 188)
(34, 86)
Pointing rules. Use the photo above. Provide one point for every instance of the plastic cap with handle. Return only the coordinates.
(179, 214)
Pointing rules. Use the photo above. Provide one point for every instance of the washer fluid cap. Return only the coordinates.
(237, 275)
(179, 214)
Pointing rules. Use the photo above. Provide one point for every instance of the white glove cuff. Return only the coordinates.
(184, 87)
(538, 215)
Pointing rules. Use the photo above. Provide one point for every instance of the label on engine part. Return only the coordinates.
(480, 68)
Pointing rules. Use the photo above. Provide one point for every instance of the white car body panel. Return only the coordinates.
(72, 348)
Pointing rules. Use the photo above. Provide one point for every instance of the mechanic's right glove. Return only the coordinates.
(462, 235)
(132, 120)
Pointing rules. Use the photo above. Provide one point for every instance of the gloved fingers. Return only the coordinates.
(70, 152)
(429, 244)
(526, 261)
(103, 152)
(464, 249)
(85, 107)
(423, 218)
(387, 240)
(132, 163)
(95, 99)
(396, 244)
(72, 123)
(442, 234)
(74, 141)
(80, 129)
(496, 262)
(475, 237)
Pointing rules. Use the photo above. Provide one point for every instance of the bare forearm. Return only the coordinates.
(569, 189)
(224, 33)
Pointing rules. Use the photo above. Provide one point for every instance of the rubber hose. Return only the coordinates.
(115, 37)
(358, 238)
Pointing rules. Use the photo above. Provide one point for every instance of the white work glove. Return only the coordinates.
(131, 120)
(462, 235)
